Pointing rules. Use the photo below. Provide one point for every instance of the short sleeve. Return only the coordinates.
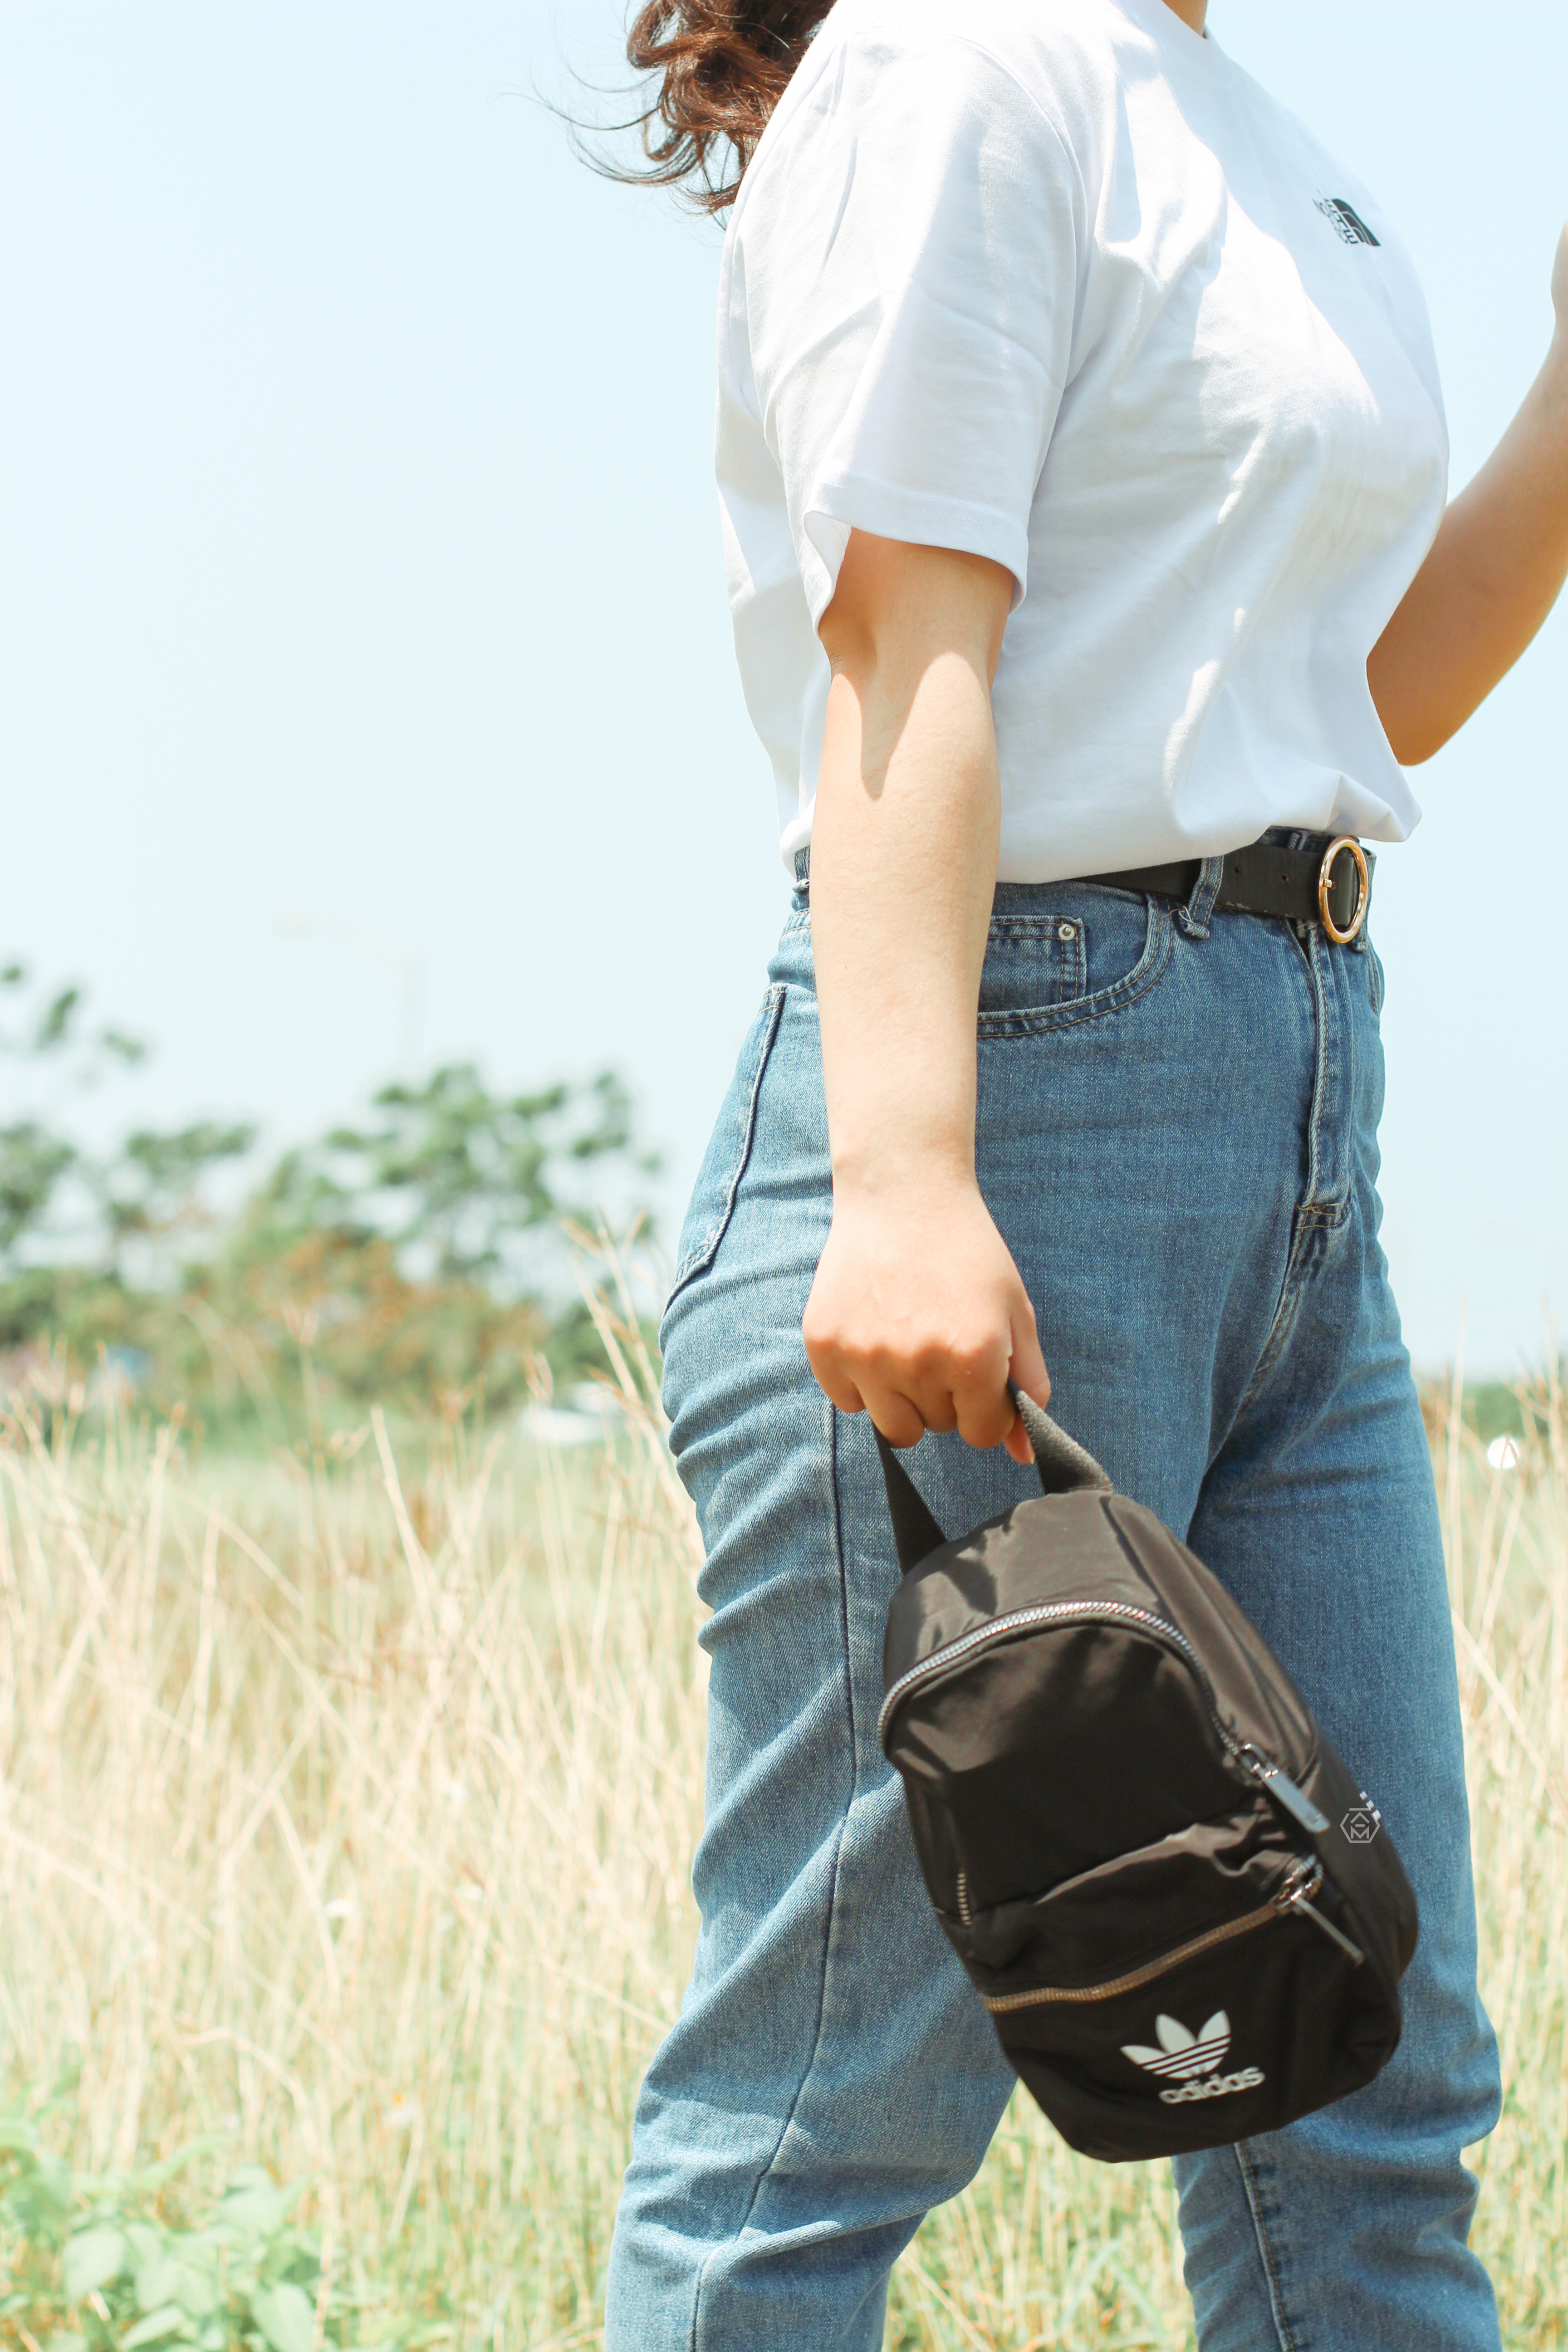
(909, 255)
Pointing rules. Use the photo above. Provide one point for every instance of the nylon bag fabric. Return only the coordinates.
(1184, 1915)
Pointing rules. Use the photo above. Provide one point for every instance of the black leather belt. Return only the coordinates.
(1329, 882)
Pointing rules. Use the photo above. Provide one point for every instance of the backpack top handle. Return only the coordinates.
(1064, 1466)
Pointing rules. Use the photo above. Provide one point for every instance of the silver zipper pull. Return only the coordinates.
(1279, 1784)
(1352, 1951)
(1297, 1894)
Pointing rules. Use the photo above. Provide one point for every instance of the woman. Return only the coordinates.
(1082, 464)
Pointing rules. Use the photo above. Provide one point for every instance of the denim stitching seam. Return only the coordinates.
(843, 1598)
(697, 1259)
(1306, 1221)
(1311, 1216)
(1318, 1114)
(1278, 1330)
(1250, 2188)
(694, 2342)
(1041, 1021)
(1346, 1027)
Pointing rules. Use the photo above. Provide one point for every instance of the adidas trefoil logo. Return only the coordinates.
(1180, 2052)
(1193, 2060)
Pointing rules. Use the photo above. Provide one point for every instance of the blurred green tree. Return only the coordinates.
(409, 1256)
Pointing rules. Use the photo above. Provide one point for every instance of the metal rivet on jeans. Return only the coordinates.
(1067, 932)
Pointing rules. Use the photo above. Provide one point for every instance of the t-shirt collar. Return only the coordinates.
(1200, 51)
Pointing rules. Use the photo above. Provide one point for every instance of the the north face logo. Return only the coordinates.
(1194, 2059)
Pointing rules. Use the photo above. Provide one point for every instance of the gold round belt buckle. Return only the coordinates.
(1325, 883)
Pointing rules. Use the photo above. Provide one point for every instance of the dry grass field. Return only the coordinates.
(346, 1820)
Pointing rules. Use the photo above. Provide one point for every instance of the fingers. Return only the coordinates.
(977, 1402)
(919, 1320)
(947, 1393)
(833, 1378)
(904, 1401)
(940, 1388)
(1029, 1366)
(1028, 1369)
(981, 1411)
(899, 1417)
(984, 1413)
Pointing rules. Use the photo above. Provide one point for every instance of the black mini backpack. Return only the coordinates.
(1184, 1916)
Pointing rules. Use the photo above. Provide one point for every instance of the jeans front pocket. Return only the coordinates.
(729, 1148)
(1061, 954)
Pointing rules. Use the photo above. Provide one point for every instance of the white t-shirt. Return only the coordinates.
(1054, 281)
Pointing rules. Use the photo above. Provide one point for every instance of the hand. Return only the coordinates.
(918, 1317)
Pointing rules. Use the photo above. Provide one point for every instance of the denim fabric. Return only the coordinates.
(1177, 1118)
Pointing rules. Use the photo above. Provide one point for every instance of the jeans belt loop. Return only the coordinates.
(1194, 917)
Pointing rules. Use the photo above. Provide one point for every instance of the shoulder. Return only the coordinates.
(1062, 54)
(896, 69)
(1038, 41)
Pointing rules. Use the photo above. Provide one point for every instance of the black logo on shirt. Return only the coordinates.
(1346, 220)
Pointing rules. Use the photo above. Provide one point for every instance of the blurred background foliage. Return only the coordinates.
(420, 1258)
(414, 1257)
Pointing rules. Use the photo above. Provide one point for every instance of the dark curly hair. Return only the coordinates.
(723, 66)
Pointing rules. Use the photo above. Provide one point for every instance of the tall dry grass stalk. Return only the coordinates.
(353, 1811)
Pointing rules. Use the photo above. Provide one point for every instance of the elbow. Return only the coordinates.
(1421, 704)
(1414, 746)
(849, 639)
(1416, 726)
(1417, 736)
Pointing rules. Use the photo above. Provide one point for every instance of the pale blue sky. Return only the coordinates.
(359, 559)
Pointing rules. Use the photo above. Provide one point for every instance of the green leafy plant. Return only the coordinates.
(95, 2261)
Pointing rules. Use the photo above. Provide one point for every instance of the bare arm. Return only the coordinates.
(1493, 575)
(918, 1313)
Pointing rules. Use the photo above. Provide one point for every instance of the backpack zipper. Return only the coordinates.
(1301, 1882)
(1263, 1768)
(1279, 1784)
(1297, 1894)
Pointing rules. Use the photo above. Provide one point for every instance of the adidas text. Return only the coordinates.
(1214, 2086)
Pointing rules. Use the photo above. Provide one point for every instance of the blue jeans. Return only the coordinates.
(1177, 1126)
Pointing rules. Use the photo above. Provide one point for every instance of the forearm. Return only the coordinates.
(903, 863)
(917, 1312)
(1493, 575)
